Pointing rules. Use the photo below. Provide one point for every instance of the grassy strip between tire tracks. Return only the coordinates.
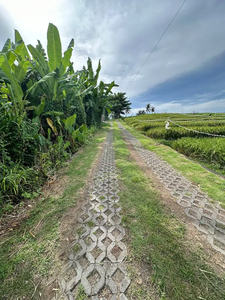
(25, 260)
(210, 183)
(158, 238)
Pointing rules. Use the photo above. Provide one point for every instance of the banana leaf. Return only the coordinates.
(6, 46)
(54, 47)
(44, 69)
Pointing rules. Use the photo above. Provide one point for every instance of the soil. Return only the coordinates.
(21, 212)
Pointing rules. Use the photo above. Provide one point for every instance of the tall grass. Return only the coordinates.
(145, 126)
(210, 150)
(177, 132)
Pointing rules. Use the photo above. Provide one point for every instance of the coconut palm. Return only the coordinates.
(148, 107)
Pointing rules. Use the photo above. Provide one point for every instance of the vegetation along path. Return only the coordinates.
(209, 217)
(109, 235)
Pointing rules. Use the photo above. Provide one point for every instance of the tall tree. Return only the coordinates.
(148, 107)
(119, 105)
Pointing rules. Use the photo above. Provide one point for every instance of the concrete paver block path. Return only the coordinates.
(97, 255)
(208, 217)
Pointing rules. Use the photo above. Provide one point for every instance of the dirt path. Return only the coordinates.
(207, 216)
(97, 254)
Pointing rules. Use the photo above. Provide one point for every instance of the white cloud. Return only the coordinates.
(178, 107)
(208, 106)
(123, 32)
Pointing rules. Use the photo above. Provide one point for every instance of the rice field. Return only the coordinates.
(198, 136)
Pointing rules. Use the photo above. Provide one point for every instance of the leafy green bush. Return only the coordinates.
(16, 180)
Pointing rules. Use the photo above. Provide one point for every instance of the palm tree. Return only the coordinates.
(152, 109)
(148, 107)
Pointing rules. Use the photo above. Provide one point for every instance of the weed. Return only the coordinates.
(90, 224)
(76, 248)
(81, 293)
(101, 207)
(80, 231)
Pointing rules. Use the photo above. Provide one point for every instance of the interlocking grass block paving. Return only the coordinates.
(99, 253)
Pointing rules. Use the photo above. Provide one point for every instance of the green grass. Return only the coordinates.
(158, 238)
(210, 183)
(25, 259)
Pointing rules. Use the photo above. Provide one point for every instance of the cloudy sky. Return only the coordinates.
(185, 73)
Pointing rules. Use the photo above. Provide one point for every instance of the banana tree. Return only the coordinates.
(13, 68)
(51, 69)
(57, 82)
(96, 103)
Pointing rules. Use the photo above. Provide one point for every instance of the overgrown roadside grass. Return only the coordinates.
(210, 183)
(158, 238)
(25, 258)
